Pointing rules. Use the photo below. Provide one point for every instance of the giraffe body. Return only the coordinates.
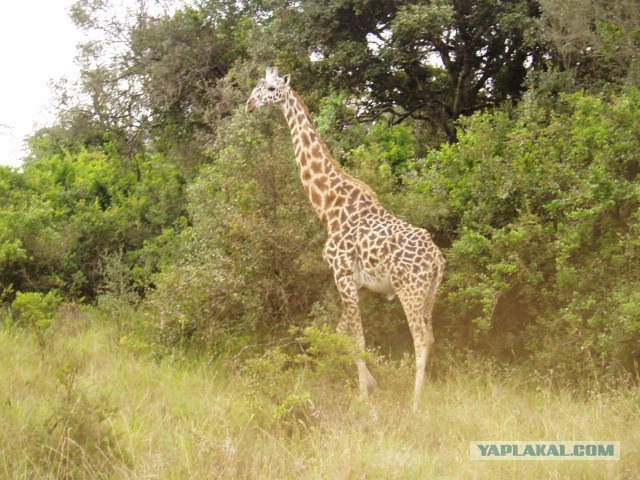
(367, 247)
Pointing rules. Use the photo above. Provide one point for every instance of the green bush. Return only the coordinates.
(311, 367)
(64, 211)
(36, 311)
(251, 259)
(542, 208)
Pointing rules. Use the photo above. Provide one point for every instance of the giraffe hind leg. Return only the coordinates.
(418, 312)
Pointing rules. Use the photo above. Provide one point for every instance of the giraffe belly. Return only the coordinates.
(379, 282)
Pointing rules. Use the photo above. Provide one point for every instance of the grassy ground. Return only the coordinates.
(87, 407)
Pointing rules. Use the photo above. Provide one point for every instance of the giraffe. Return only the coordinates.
(367, 247)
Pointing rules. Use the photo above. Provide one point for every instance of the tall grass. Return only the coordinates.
(89, 407)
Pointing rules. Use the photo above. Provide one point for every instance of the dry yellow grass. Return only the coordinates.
(87, 407)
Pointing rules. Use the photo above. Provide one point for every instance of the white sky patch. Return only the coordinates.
(37, 46)
(377, 42)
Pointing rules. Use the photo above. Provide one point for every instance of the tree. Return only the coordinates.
(432, 60)
(152, 76)
(596, 41)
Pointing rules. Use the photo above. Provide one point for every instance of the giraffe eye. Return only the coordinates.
(271, 89)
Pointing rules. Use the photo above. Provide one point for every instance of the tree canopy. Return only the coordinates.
(430, 60)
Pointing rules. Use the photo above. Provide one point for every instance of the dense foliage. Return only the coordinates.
(544, 208)
(433, 61)
(155, 194)
(63, 213)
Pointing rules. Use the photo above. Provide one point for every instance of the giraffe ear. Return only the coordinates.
(286, 79)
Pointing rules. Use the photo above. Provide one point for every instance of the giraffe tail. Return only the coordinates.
(435, 284)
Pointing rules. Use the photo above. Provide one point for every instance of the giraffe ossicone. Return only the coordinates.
(367, 247)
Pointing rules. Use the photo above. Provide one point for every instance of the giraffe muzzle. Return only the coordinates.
(251, 105)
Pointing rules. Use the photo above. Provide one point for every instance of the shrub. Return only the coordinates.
(251, 259)
(36, 312)
(313, 367)
(542, 208)
(80, 436)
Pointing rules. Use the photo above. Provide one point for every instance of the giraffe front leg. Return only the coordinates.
(418, 314)
(351, 323)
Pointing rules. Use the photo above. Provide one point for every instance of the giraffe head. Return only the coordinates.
(270, 90)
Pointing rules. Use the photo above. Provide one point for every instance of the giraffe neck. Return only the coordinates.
(327, 185)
